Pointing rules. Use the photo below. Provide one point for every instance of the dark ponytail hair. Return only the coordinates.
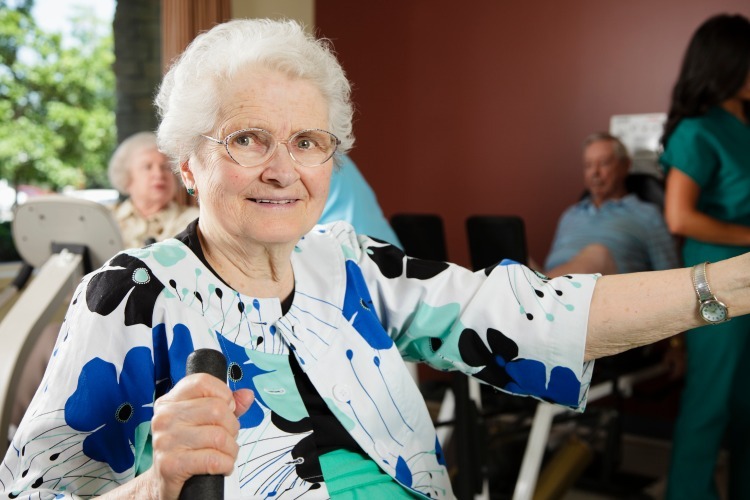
(715, 67)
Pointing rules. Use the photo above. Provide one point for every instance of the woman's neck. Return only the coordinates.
(736, 107)
(146, 209)
(251, 269)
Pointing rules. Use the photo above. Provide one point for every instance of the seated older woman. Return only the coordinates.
(140, 171)
(314, 321)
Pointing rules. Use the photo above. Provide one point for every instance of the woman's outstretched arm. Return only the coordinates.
(630, 310)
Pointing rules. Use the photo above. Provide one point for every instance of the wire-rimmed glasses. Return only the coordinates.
(252, 147)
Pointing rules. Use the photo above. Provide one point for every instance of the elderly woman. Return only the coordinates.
(141, 172)
(314, 321)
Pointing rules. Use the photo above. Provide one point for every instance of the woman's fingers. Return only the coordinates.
(182, 437)
(199, 385)
(243, 399)
(202, 411)
(208, 452)
(173, 470)
(194, 431)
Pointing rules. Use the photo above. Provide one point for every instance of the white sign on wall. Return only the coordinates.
(640, 133)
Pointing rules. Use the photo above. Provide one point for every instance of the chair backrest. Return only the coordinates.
(647, 187)
(493, 238)
(422, 235)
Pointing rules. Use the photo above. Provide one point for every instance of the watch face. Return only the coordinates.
(713, 311)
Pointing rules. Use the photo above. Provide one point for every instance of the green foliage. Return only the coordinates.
(57, 101)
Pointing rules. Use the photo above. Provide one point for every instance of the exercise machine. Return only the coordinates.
(62, 238)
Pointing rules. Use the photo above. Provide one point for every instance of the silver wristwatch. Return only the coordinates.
(710, 309)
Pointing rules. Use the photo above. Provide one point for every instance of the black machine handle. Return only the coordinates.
(205, 486)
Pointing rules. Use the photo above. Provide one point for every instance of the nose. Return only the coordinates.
(281, 169)
(596, 169)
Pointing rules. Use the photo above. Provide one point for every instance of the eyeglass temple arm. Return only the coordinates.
(217, 141)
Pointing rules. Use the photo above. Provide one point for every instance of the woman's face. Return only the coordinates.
(274, 203)
(152, 183)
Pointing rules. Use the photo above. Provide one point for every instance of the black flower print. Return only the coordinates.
(390, 261)
(126, 277)
(502, 368)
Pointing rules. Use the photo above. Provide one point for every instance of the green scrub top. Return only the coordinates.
(714, 151)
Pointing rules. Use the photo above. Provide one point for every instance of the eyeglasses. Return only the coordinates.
(252, 147)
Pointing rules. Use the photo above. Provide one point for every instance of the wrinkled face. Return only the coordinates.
(603, 175)
(280, 200)
(152, 182)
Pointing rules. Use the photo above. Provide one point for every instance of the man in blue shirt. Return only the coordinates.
(610, 230)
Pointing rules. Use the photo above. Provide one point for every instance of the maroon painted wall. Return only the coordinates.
(481, 106)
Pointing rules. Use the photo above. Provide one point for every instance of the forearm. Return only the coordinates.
(699, 226)
(630, 310)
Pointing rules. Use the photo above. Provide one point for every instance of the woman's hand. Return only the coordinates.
(194, 429)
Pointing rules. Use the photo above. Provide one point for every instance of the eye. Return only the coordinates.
(306, 143)
(246, 139)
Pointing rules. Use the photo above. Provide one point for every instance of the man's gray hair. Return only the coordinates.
(621, 152)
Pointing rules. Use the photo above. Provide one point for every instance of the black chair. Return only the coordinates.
(647, 187)
(422, 235)
(493, 238)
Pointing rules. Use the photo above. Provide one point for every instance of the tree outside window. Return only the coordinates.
(57, 101)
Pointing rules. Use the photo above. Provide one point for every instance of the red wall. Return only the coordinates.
(481, 106)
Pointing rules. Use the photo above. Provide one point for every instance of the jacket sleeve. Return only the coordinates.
(508, 326)
(87, 429)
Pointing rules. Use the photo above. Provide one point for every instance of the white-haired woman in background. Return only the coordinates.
(315, 321)
(144, 174)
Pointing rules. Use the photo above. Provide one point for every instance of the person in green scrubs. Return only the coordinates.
(707, 202)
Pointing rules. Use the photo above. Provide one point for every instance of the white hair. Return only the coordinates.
(190, 94)
(122, 159)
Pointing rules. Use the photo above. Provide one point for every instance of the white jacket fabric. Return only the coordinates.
(360, 308)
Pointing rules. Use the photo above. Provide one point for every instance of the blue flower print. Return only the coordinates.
(110, 409)
(240, 373)
(170, 362)
(439, 455)
(108, 288)
(359, 309)
(502, 368)
(403, 473)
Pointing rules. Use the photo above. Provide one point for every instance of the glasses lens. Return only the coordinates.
(250, 147)
(312, 147)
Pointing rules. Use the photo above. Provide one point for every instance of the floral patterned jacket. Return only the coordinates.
(360, 307)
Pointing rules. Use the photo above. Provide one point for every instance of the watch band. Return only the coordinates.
(701, 283)
(710, 309)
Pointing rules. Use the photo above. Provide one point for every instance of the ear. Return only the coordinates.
(187, 175)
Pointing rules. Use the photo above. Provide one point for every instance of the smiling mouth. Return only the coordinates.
(272, 202)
